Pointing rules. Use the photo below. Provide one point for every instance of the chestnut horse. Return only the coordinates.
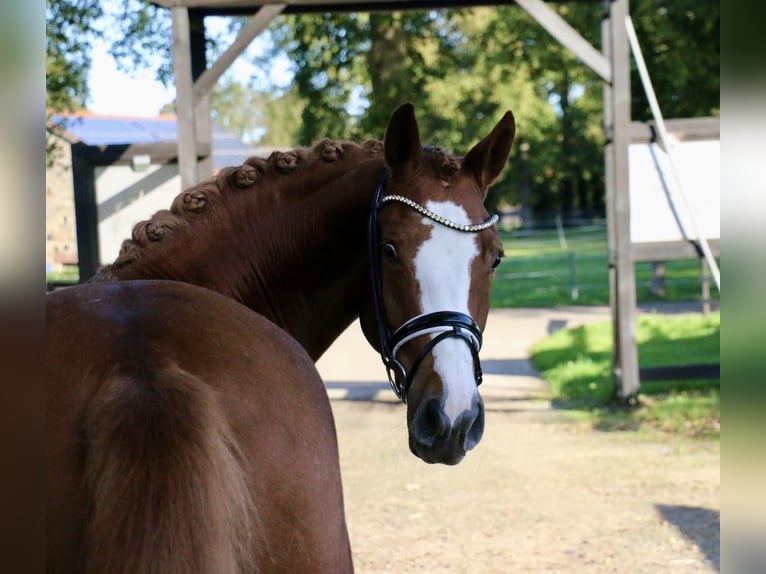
(186, 434)
(294, 237)
(186, 431)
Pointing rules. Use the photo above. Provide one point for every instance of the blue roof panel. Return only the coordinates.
(105, 130)
(94, 130)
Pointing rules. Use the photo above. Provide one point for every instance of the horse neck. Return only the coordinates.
(297, 257)
(315, 277)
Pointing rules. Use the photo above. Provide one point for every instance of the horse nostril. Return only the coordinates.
(429, 423)
(471, 433)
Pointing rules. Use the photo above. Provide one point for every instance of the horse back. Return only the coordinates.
(185, 434)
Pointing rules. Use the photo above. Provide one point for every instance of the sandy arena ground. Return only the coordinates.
(539, 494)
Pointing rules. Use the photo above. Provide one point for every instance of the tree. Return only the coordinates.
(70, 27)
(255, 116)
(324, 50)
(680, 41)
(462, 68)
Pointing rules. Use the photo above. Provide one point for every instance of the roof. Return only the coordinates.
(104, 130)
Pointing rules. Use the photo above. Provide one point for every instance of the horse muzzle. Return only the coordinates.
(436, 439)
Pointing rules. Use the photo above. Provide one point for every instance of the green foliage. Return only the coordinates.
(142, 39)
(70, 275)
(70, 27)
(577, 365)
(324, 50)
(462, 68)
(680, 41)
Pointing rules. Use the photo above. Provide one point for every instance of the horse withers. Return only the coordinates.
(185, 434)
(393, 233)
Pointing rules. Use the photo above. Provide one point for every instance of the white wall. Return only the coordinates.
(125, 197)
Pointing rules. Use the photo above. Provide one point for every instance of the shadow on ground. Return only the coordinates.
(699, 525)
(512, 367)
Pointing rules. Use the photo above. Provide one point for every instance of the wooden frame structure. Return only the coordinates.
(195, 80)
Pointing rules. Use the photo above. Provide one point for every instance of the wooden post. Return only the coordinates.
(657, 285)
(187, 137)
(606, 46)
(203, 124)
(622, 280)
(85, 212)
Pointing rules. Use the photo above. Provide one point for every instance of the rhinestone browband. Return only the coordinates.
(438, 218)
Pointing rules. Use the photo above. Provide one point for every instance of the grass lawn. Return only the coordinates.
(577, 364)
(69, 275)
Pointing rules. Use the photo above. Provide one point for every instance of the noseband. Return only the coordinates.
(440, 324)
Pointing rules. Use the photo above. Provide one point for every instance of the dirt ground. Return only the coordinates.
(539, 494)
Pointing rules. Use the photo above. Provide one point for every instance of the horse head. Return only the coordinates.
(433, 251)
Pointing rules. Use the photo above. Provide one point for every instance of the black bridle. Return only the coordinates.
(445, 324)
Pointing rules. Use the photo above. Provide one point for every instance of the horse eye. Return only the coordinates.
(390, 252)
(497, 261)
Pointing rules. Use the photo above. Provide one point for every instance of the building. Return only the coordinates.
(130, 164)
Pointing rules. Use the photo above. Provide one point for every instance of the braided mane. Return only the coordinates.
(200, 201)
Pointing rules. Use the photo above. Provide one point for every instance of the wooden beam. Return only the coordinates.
(680, 372)
(248, 7)
(683, 129)
(302, 5)
(187, 138)
(207, 80)
(123, 154)
(568, 37)
(670, 250)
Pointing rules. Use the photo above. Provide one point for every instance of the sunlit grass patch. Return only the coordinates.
(577, 365)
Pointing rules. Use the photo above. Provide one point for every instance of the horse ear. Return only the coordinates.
(487, 158)
(402, 144)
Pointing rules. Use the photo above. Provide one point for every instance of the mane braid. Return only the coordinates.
(446, 166)
(199, 201)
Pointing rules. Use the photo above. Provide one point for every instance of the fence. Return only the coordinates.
(549, 264)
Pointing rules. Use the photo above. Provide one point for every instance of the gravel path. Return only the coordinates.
(539, 494)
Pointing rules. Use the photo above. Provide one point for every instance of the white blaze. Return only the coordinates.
(443, 271)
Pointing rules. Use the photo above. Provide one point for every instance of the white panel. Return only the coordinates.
(657, 210)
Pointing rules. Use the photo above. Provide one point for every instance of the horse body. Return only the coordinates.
(188, 429)
(164, 451)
